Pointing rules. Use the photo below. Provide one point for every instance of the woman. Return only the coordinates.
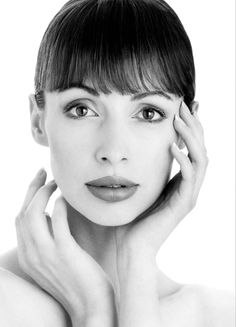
(114, 102)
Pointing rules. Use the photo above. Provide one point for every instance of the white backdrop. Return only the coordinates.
(201, 249)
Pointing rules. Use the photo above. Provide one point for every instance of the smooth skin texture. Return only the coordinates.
(113, 139)
(70, 269)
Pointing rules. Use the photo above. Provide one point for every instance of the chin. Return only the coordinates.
(114, 220)
(108, 217)
(115, 214)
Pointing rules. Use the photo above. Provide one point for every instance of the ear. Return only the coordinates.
(37, 117)
(194, 108)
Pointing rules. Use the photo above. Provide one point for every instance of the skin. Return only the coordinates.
(92, 245)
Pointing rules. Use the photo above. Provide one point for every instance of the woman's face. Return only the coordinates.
(92, 135)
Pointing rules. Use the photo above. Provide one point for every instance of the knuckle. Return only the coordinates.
(191, 205)
(192, 175)
(17, 221)
(28, 214)
(199, 124)
(205, 162)
(19, 218)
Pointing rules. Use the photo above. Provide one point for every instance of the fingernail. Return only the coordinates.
(41, 172)
(52, 184)
(181, 104)
(177, 118)
(174, 145)
(196, 106)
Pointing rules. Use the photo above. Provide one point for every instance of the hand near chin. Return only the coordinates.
(50, 255)
(145, 235)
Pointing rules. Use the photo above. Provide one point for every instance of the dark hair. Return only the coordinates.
(122, 45)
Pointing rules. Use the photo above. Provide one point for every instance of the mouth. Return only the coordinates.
(112, 188)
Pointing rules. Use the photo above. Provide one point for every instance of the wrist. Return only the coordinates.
(133, 262)
(94, 321)
(99, 312)
(139, 295)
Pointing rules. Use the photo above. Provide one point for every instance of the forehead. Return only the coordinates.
(89, 88)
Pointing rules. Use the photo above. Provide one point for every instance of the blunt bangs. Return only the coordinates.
(123, 45)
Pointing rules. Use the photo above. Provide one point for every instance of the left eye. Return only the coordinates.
(148, 113)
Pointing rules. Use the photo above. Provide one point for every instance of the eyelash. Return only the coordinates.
(147, 107)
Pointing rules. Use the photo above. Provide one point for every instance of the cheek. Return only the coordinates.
(157, 162)
(68, 158)
(157, 170)
(72, 161)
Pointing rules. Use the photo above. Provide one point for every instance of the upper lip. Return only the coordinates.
(109, 181)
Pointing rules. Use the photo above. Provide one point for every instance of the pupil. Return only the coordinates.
(148, 113)
(79, 110)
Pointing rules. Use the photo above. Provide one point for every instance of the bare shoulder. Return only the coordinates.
(216, 306)
(197, 305)
(23, 303)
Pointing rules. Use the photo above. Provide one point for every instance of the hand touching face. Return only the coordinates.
(90, 137)
(148, 232)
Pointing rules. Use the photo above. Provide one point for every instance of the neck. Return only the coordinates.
(100, 243)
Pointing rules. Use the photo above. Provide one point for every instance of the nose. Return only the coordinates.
(113, 147)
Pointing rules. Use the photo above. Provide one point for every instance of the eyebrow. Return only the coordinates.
(142, 95)
(137, 96)
(86, 88)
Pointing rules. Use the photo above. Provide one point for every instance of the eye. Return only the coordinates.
(79, 110)
(148, 113)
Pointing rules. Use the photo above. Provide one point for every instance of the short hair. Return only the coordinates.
(120, 45)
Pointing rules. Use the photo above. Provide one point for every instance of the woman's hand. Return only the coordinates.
(145, 235)
(50, 255)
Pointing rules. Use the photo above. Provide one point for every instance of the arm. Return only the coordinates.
(97, 318)
(24, 304)
(48, 253)
(139, 242)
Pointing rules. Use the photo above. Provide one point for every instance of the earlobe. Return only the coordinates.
(37, 116)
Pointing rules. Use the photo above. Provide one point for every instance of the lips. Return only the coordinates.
(112, 181)
(112, 188)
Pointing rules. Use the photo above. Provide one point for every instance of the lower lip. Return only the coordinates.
(112, 194)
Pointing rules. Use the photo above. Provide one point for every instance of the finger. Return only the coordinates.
(20, 239)
(187, 171)
(196, 150)
(184, 162)
(182, 190)
(199, 180)
(34, 220)
(41, 198)
(35, 184)
(60, 224)
(192, 122)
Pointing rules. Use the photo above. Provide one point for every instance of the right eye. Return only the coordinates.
(78, 111)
